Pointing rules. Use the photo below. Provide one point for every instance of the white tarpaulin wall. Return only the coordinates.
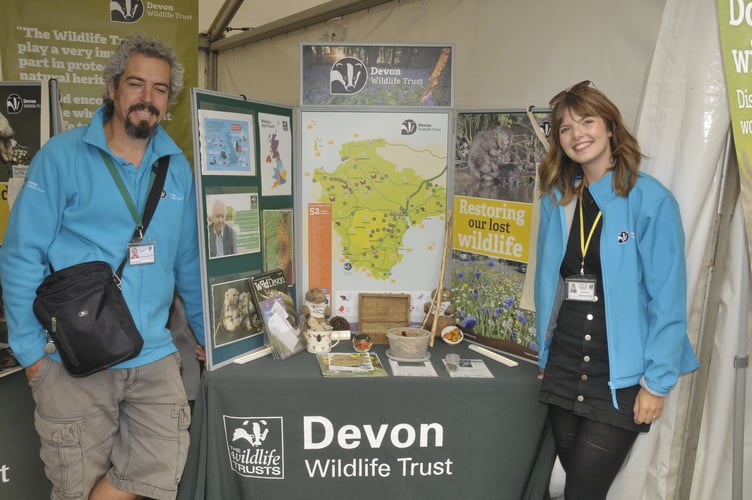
(659, 62)
(683, 126)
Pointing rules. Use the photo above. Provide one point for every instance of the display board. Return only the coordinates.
(374, 191)
(243, 169)
(497, 154)
(374, 156)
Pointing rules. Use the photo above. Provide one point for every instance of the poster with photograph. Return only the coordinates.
(226, 143)
(278, 242)
(20, 124)
(234, 315)
(496, 158)
(376, 75)
(275, 145)
(20, 139)
(233, 225)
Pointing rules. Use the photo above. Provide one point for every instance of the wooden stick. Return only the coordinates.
(436, 298)
(445, 252)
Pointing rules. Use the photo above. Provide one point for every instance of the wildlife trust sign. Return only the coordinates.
(256, 449)
(255, 446)
(377, 75)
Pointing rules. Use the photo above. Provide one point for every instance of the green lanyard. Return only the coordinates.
(137, 218)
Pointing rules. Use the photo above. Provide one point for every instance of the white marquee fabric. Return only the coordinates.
(683, 127)
(660, 62)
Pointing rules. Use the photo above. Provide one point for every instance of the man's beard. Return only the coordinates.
(142, 129)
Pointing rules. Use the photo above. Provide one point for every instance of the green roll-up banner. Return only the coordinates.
(71, 41)
(735, 26)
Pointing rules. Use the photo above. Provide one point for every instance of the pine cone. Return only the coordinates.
(339, 323)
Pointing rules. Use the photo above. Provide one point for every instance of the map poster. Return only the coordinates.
(275, 138)
(382, 178)
(496, 158)
(226, 143)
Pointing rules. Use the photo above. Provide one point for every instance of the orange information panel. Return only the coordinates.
(320, 246)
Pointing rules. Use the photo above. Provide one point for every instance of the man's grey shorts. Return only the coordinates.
(128, 424)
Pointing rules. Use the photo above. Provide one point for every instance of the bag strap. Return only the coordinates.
(160, 169)
(155, 194)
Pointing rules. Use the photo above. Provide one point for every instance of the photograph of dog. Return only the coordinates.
(234, 312)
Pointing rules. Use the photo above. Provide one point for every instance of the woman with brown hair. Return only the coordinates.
(610, 291)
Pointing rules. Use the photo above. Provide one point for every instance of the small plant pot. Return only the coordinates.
(407, 342)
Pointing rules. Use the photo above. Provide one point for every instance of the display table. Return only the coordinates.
(277, 429)
(21, 470)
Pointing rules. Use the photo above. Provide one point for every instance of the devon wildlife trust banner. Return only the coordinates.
(376, 75)
(71, 41)
(735, 25)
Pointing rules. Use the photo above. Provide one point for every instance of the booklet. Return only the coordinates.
(272, 299)
(350, 364)
(469, 368)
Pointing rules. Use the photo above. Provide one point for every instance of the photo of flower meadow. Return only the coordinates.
(486, 297)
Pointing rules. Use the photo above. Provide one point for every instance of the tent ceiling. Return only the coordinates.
(295, 15)
(252, 13)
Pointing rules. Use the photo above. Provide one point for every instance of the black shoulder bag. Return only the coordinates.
(82, 307)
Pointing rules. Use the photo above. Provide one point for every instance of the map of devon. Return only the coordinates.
(377, 194)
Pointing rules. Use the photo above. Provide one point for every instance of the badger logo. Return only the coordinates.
(347, 76)
(255, 446)
(14, 104)
(126, 11)
(408, 127)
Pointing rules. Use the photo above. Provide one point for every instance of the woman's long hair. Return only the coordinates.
(558, 171)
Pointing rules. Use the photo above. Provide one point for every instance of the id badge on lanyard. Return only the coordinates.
(581, 287)
(141, 252)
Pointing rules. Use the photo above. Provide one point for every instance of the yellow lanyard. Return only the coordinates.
(585, 244)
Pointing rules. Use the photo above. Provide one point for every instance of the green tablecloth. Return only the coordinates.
(276, 429)
(21, 470)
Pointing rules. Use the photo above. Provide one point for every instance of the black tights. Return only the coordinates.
(590, 452)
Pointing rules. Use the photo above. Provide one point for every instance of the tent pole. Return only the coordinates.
(216, 32)
(689, 423)
(211, 70)
(309, 17)
(741, 361)
(224, 17)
